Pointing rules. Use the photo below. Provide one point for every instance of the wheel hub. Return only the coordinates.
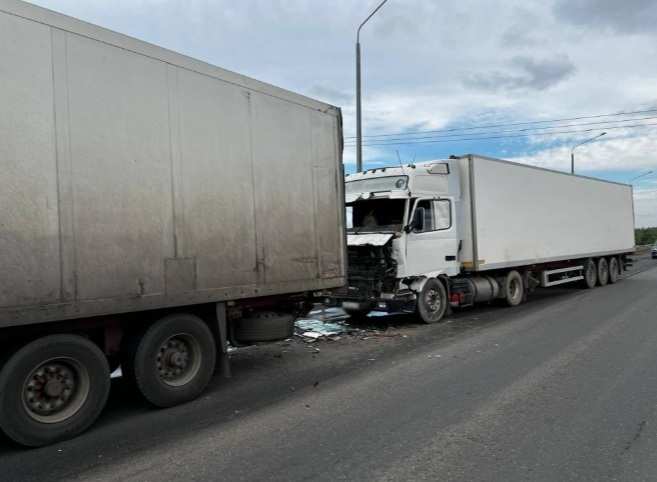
(55, 390)
(178, 360)
(433, 300)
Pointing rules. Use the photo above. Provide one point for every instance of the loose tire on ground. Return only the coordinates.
(52, 389)
(614, 269)
(603, 272)
(172, 361)
(590, 274)
(432, 301)
(514, 288)
(264, 326)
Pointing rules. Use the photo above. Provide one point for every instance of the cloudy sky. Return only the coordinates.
(433, 65)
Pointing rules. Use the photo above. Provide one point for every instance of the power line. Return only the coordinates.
(602, 125)
(488, 126)
(581, 131)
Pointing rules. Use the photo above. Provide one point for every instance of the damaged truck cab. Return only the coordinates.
(451, 233)
(402, 239)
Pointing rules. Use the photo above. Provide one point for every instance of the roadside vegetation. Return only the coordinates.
(645, 235)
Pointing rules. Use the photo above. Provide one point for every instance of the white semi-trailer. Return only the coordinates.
(151, 206)
(452, 233)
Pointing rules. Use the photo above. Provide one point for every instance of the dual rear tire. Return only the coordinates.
(172, 361)
(52, 389)
(55, 387)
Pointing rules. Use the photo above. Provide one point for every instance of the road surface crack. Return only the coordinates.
(639, 429)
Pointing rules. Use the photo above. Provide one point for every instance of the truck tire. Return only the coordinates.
(603, 272)
(432, 301)
(590, 274)
(172, 361)
(52, 389)
(264, 326)
(614, 269)
(514, 288)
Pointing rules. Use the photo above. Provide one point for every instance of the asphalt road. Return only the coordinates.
(563, 387)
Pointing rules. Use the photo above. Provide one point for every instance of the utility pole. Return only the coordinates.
(359, 126)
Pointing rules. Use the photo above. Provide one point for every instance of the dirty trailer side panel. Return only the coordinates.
(136, 178)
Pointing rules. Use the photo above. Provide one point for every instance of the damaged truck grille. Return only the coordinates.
(371, 270)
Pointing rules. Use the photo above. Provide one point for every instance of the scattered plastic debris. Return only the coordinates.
(322, 313)
(312, 329)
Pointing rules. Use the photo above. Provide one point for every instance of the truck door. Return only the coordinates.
(432, 243)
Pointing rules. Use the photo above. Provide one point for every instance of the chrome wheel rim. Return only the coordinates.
(55, 390)
(178, 359)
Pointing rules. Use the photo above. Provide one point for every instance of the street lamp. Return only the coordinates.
(572, 151)
(640, 176)
(359, 132)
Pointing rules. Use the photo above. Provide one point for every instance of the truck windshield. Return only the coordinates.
(377, 215)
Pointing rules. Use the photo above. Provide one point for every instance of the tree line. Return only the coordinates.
(645, 235)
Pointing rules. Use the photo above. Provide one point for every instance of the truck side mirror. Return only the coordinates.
(417, 224)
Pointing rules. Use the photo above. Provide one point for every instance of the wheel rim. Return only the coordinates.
(514, 289)
(179, 359)
(433, 301)
(604, 271)
(55, 390)
(591, 273)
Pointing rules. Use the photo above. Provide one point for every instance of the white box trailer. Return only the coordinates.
(518, 215)
(471, 229)
(152, 206)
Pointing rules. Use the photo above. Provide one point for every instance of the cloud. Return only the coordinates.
(620, 150)
(331, 95)
(527, 73)
(625, 17)
(416, 55)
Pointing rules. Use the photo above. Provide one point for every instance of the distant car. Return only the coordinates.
(653, 251)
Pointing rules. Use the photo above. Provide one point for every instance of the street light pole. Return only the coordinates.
(572, 151)
(359, 126)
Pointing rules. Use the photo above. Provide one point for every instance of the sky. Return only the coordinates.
(433, 65)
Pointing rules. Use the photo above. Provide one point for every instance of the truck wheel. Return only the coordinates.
(432, 301)
(514, 289)
(603, 271)
(614, 269)
(172, 362)
(52, 389)
(590, 274)
(264, 326)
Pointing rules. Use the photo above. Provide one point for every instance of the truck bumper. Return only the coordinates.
(386, 302)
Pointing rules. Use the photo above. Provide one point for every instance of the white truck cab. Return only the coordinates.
(402, 231)
(450, 233)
